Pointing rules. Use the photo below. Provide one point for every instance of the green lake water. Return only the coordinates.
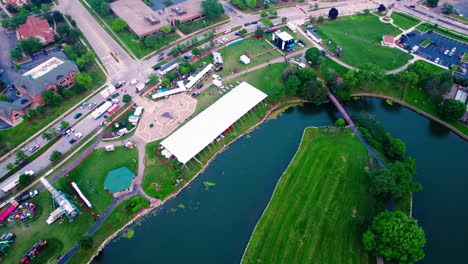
(213, 225)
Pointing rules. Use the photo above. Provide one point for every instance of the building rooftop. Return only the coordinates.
(49, 72)
(284, 36)
(143, 20)
(36, 27)
(217, 59)
(311, 32)
(388, 38)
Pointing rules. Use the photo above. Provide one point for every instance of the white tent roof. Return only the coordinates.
(245, 59)
(284, 36)
(199, 132)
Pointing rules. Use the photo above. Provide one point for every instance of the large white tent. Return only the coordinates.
(199, 132)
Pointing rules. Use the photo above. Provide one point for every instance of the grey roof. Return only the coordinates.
(169, 64)
(39, 85)
(20, 103)
(313, 33)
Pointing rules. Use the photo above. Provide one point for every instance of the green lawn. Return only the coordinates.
(89, 176)
(360, 37)
(328, 66)
(320, 207)
(404, 21)
(258, 50)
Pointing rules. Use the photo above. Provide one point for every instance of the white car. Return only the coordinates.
(33, 193)
(227, 31)
(78, 135)
(437, 60)
(446, 52)
(134, 81)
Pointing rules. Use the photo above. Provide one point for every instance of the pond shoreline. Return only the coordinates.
(277, 106)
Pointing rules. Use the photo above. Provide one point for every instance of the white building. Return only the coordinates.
(244, 59)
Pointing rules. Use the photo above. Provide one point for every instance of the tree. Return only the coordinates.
(292, 84)
(447, 8)
(196, 51)
(342, 91)
(86, 242)
(451, 109)
(263, 13)
(20, 157)
(396, 150)
(259, 32)
(50, 134)
(103, 9)
(320, 19)
(55, 156)
(340, 122)
(166, 29)
(31, 113)
(243, 31)
(119, 24)
(24, 180)
(212, 9)
(153, 79)
(165, 82)
(3, 97)
(436, 84)
(313, 56)
(306, 74)
(396, 182)
(167, 2)
(11, 9)
(406, 78)
(40, 109)
(10, 166)
(57, 17)
(151, 41)
(15, 54)
(184, 70)
(315, 92)
(396, 237)
(239, 3)
(126, 98)
(64, 124)
(381, 8)
(432, 3)
(251, 3)
(333, 13)
(30, 45)
(83, 81)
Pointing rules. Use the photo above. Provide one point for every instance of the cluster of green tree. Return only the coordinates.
(244, 4)
(183, 69)
(20, 14)
(447, 8)
(380, 139)
(78, 53)
(212, 9)
(432, 3)
(100, 6)
(396, 237)
(368, 75)
(303, 83)
(136, 203)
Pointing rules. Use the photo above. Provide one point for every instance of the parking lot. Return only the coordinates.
(438, 48)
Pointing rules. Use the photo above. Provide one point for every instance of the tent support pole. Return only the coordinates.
(198, 161)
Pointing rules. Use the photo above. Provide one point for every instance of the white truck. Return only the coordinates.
(56, 214)
(292, 27)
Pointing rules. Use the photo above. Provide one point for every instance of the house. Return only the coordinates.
(314, 36)
(15, 3)
(26, 90)
(283, 40)
(36, 27)
(388, 40)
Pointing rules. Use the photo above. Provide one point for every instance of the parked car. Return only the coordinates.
(200, 85)
(195, 94)
(77, 115)
(237, 34)
(115, 95)
(247, 24)
(72, 141)
(134, 81)
(78, 135)
(437, 60)
(33, 148)
(253, 22)
(157, 67)
(159, 59)
(446, 52)
(227, 31)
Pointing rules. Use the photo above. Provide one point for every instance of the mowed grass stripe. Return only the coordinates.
(319, 207)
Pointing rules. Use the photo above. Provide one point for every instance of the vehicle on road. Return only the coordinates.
(91, 105)
(77, 115)
(134, 81)
(68, 131)
(72, 141)
(247, 24)
(237, 34)
(120, 84)
(115, 95)
(33, 148)
(83, 105)
(253, 22)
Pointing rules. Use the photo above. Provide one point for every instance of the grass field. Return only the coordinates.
(404, 21)
(258, 50)
(320, 207)
(89, 176)
(328, 66)
(360, 37)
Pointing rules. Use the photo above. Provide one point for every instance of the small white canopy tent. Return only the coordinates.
(244, 59)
